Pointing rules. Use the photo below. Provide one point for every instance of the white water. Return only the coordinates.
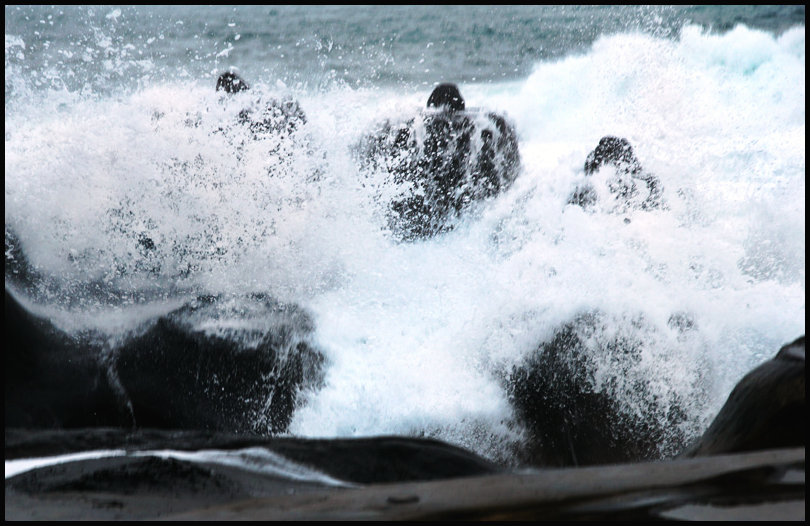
(417, 334)
(256, 459)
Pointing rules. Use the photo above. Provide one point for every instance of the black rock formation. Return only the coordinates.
(612, 150)
(572, 421)
(264, 116)
(442, 161)
(178, 376)
(446, 96)
(618, 153)
(54, 379)
(170, 374)
(367, 460)
(231, 83)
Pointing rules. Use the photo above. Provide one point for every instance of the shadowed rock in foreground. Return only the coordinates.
(759, 485)
(168, 374)
(765, 410)
(166, 472)
(203, 474)
(571, 420)
(372, 460)
(765, 485)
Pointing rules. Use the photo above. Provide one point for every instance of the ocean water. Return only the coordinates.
(113, 131)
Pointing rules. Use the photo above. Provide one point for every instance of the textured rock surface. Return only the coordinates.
(766, 485)
(572, 421)
(169, 374)
(623, 185)
(765, 410)
(441, 162)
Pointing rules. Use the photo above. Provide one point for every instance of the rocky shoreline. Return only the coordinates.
(749, 463)
(766, 485)
(762, 485)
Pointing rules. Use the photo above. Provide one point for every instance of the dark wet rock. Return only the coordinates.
(180, 376)
(172, 373)
(442, 162)
(618, 153)
(132, 487)
(386, 459)
(761, 485)
(367, 460)
(53, 379)
(262, 116)
(150, 482)
(765, 410)
(446, 96)
(572, 418)
(230, 82)
(124, 475)
(614, 151)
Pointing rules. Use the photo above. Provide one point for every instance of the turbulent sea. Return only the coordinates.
(131, 194)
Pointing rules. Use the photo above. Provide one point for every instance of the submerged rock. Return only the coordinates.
(442, 162)
(766, 409)
(174, 373)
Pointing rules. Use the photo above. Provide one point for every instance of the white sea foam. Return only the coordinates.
(417, 335)
(22, 465)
